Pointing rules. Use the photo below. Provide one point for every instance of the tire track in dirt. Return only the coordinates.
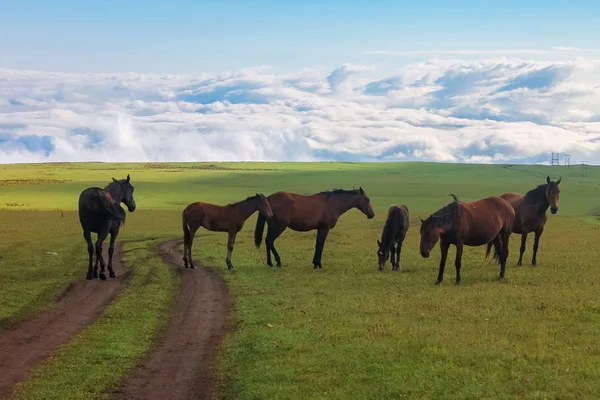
(182, 363)
(32, 341)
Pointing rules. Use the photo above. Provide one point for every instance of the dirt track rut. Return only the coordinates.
(181, 365)
(30, 342)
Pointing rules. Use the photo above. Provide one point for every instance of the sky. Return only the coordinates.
(470, 81)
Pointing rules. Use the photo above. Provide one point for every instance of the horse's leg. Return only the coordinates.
(95, 272)
(230, 243)
(111, 250)
(101, 237)
(90, 246)
(398, 252)
(444, 248)
(505, 236)
(458, 261)
(185, 248)
(273, 233)
(189, 248)
(268, 243)
(392, 257)
(522, 249)
(321, 236)
(536, 244)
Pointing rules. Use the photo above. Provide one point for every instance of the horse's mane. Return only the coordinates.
(334, 192)
(109, 204)
(445, 214)
(537, 195)
(245, 200)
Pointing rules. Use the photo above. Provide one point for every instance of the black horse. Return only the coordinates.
(392, 236)
(100, 212)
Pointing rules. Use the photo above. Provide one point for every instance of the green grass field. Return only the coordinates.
(347, 331)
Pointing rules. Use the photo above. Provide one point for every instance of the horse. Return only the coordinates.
(100, 212)
(530, 213)
(229, 218)
(303, 213)
(393, 236)
(489, 220)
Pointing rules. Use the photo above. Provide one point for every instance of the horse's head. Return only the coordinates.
(264, 206)
(126, 193)
(383, 254)
(364, 204)
(553, 193)
(433, 227)
(430, 235)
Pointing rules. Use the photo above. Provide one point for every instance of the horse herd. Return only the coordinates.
(489, 221)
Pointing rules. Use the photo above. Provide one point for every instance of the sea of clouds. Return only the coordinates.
(491, 110)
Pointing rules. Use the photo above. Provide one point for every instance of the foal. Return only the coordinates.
(393, 236)
(229, 218)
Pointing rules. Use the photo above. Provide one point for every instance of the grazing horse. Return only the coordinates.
(100, 212)
(472, 224)
(303, 213)
(229, 218)
(393, 236)
(530, 213)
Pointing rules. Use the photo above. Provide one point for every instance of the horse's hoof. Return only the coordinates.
(95, 275)
(457, 283)
(437, 282)
(278, 265)
(89, 277)
(103, 277)
(192, 267)
(112, 275)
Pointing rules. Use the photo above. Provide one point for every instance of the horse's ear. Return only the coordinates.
(378, 243)
(361, 190)
(548, 179)
(114, 180)
(558, 181)
(128, 178)
(421, 219)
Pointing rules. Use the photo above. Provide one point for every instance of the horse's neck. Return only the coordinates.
(541, 204)
(115, 193)
(389, 231)
(246, 208)
(342, 205)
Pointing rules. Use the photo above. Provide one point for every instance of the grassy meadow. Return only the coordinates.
(347, 331)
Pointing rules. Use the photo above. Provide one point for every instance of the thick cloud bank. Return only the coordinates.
(493, 110)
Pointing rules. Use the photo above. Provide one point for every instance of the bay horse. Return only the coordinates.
(530, 213)
(229, 218)
(489, 220)
(303, 213)
(392, 236)
(100, 212)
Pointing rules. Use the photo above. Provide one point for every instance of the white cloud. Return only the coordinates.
(486, 110)
(464, 52)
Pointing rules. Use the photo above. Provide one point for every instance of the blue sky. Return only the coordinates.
(471, 81)
(182, 36)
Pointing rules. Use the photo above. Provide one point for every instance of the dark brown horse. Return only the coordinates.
(302, 213)
(530, 213)
(393, 236)
(100, 212)
(472, 224)
(229, 218)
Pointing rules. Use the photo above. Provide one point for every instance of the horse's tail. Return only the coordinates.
(260, 228)
(497, 249)
(487, 251)
(114, 210)
(186, 229)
